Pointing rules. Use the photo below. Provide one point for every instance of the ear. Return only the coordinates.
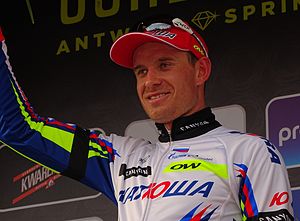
(203, 68)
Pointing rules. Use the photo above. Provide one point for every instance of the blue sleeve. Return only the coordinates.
(51, 143)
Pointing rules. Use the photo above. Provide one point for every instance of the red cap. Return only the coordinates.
(1, 35)
(179, 35)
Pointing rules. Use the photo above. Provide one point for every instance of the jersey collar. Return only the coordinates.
(190, 126)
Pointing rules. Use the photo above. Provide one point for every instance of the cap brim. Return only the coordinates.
(123, 48)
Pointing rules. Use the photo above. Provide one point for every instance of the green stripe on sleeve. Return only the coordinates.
(29, 158)
(62, 138)
(98, 147)
(93, 153)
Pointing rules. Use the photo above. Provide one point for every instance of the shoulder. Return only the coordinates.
(248, 144)
(128, 145)
(236, 137)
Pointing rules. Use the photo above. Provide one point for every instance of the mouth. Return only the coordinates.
(157, 98)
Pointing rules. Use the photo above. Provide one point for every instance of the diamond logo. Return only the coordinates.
(203, 19)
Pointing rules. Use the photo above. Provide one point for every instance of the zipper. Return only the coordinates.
(157, 172)
(170, 138)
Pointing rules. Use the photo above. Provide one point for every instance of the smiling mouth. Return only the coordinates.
(157, 97)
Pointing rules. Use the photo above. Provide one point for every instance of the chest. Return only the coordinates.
(174, 171)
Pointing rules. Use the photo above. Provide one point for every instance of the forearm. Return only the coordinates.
(23, 130)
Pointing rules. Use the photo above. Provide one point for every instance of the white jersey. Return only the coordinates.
(220, 175)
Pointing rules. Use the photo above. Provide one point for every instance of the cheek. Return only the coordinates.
(139, 90)
(188, 86)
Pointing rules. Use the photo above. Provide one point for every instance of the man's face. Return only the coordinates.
(168, 85)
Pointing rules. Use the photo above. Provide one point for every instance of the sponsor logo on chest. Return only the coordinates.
(134, 171)
(166, 189)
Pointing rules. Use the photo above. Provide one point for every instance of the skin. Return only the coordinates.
(168, 85)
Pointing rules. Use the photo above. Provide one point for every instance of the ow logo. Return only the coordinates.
(185, 165)
(197, 164)
(279, 199)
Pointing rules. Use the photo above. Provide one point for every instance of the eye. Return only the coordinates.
(165, 65)
(140, 72)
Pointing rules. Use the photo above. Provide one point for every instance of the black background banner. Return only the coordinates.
(60, 54)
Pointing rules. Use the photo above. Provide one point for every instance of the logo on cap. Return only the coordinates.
(199, 49)
(162, 33)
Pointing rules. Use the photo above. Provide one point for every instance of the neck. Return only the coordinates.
(188, 126)
(169, 125)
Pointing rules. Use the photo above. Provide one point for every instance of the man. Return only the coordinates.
(198, 170)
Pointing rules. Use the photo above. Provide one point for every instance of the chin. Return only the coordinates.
(160, 115)
(160, 118)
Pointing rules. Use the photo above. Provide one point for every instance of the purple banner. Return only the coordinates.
(283, 127)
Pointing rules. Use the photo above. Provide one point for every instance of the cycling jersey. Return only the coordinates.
(198, 171)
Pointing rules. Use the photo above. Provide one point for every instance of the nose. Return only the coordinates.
(152, 79)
